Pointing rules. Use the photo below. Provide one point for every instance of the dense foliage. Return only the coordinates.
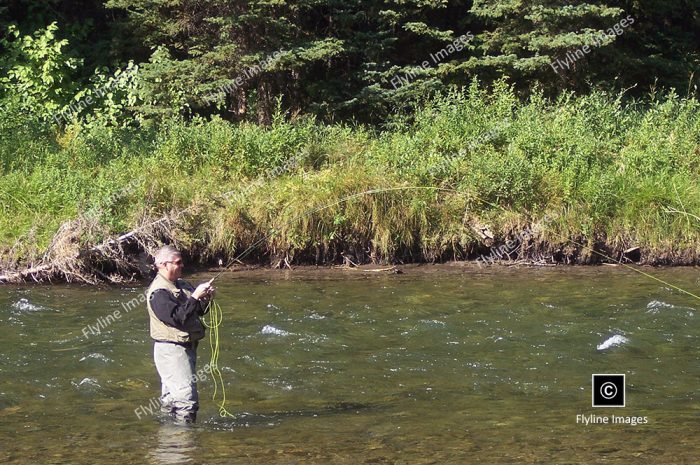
(338, 60)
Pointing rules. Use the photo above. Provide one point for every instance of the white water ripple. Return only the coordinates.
(86, 383)
(97, 356)
(271, 330)
(616, 340)
(655, 306)
(23, 305)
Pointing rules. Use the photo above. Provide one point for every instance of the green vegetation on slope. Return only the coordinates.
(591, 170)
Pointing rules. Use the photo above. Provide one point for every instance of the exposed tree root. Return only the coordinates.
(115, 260)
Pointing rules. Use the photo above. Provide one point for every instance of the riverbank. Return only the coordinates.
(475, 175)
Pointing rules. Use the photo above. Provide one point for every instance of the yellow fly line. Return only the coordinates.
(215, 318)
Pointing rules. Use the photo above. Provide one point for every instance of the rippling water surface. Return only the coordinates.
(437, 365)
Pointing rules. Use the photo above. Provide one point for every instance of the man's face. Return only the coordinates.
(173, 268)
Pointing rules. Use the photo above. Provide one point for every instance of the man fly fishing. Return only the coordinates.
(174, 309)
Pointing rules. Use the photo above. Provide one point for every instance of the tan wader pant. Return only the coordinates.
(176, 366)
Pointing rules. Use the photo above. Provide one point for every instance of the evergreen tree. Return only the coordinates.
(220, 55)
(396, 53)
(544, 40)
(662, 49)
(338, 57)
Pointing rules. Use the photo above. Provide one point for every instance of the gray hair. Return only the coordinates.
(165, 254)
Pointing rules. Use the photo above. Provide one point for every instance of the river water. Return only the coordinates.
(442, 364)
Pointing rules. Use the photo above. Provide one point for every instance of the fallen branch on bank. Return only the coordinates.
(30, 274)
(66, 260)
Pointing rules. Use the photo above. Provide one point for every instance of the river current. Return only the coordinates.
(448, 364)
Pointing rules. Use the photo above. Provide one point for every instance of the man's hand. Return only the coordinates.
(203, 291)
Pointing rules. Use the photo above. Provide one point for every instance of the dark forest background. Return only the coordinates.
(336, 59)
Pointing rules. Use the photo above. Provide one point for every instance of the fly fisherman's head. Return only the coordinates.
(168, 260)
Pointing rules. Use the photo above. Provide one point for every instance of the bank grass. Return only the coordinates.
(590, 172)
